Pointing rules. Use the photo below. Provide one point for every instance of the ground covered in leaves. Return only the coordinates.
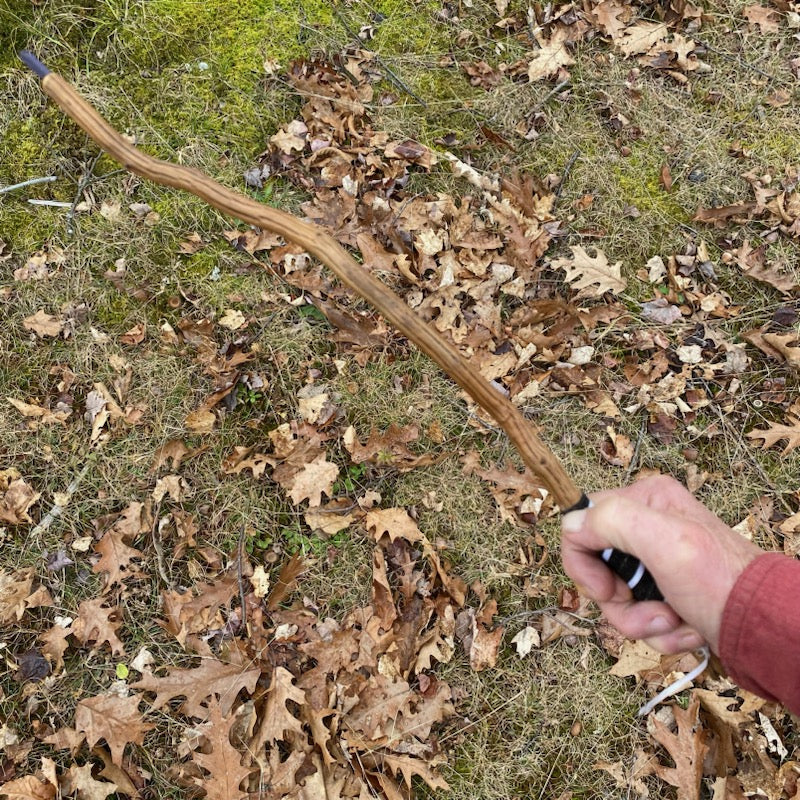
(256, 546)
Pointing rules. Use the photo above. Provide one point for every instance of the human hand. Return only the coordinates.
(693, 556)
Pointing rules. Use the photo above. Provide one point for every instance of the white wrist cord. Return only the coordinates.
(678, 685)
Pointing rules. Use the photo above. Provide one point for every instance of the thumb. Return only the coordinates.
(655, 537)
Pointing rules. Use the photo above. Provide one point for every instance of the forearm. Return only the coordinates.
(760, 631)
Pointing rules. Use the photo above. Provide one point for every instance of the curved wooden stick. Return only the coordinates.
(312, 239)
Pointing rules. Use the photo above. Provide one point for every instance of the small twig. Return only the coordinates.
(567, 169)
(388, 71)
(240, 576)
(84, 181)
(162, 570)
(58, 508)
(552, 93)
(739, 61)
(31, 182)
(635, 457)
(53, 203)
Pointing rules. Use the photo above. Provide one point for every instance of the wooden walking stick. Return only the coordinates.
(315, 241)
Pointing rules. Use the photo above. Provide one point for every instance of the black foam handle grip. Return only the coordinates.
(626, 566)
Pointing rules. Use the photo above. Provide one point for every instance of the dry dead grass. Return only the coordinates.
(515, 739)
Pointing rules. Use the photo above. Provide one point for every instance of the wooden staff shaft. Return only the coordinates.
(312, 239)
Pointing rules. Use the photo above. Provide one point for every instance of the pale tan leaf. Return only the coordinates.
(550, 57)
(641, 36)
(16, 501)
(15, 587)
(115, 719)
(776, 432)
(38, 413)
(687, 748)
(94, 623)
(526, 640)
(198, 684)
(224, 762)
(765, 18)
(232, 319)
(43, 324)
(80, 780)
(635, 658)
(277, 720)
(27, 788)
(313, 480)
(591, 273)
(201, 421)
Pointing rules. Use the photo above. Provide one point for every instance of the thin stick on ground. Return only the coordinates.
(32, 182)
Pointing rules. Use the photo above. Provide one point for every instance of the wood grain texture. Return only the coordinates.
(314, 240)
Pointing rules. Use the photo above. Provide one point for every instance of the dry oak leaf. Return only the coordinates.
(313, 480)
(200, 421)
(776, 432)
(612, 17)
(27, 788)
(80, 780)
(94, 624)
(636, 657)
(115, 719)
(781, 343)
(687, 748)
(224, 762)
(116, 557)
(407, 766)
(198, 684)
(640, 37)
(767, 19)
(591, 273)
(485, 645)
(551, 56)
(276, 718)
(398, 525)
(16, 500)
(15, 588)
(43, 324)
(37, 414)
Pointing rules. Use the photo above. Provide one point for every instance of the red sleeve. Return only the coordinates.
(759, 641)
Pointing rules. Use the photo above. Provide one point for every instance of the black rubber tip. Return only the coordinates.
(30, 61)
(584, 502)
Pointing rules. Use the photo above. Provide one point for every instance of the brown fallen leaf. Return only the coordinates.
(80, 780)
(551, 56)
(277, 720)
(721, 214)
(175, 450)
(16, 500)
(778, 431)
(15, 587)
(43, 324)
(766, 19)
(198, 684)
(94, 623)
(783, 344)
(115, 719)
(116, 558)
(28, 787)
(640, 37)
(636, 657)
(135, 335)
(593, 274)
(201, 421)
(313, 480)
(38, 414)
(223, 762)
(686, 747)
